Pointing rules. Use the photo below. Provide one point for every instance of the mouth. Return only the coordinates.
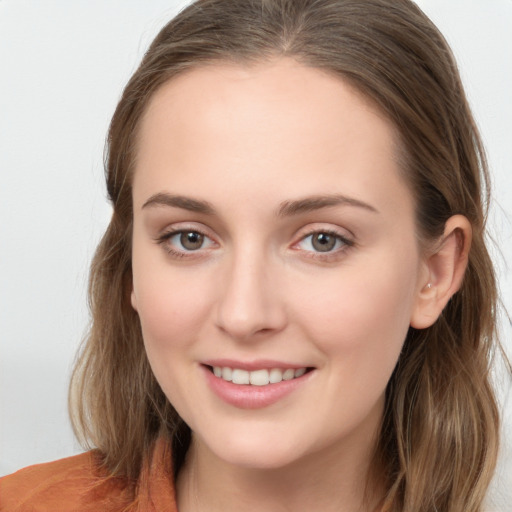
(257, 377)
(256, 384)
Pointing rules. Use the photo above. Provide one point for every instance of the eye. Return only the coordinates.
(324, 242)
(184, 241)
(189, 240)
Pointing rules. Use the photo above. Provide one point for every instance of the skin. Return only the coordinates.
(249, 141)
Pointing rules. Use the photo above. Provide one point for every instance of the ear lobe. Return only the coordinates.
(446, 266)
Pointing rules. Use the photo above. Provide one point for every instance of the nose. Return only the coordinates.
(250, 303)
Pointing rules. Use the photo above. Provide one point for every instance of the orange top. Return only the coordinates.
(79, 484)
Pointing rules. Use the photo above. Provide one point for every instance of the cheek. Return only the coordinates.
(171, 304)
(169, 319)
(171, 309)
(360, 317)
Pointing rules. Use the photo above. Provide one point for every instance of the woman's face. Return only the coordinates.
(273, 235)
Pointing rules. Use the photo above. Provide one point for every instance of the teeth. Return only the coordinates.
(289, 374)
(227, 373)
(299, 372)
(239, 376)
(257, 377)
(276, 375)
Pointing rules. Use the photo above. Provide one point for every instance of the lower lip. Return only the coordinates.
(246, 396)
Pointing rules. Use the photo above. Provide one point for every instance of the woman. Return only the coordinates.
(293, 304)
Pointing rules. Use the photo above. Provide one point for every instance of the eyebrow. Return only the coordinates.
(286, 209)
(183, 202)
(312, 203)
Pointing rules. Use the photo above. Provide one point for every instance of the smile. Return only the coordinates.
(261, 377)
(256, 386)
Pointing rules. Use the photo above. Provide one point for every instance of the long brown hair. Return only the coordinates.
(439, 436)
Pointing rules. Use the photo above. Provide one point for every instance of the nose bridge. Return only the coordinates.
(249, 302)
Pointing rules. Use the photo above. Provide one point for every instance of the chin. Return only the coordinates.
(258, 458)
(252, 451)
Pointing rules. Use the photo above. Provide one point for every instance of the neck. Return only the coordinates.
(330, 480)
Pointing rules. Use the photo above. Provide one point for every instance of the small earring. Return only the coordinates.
(429, 286)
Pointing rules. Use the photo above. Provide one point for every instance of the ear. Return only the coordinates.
(445, 267)
(133, 299)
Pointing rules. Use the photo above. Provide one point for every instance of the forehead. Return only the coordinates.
(219, 94)
(278, 123)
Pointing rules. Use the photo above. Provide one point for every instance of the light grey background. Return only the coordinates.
(62, 68)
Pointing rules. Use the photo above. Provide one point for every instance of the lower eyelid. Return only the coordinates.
(334, 255)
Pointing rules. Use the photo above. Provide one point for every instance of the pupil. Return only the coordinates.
(191, 240)
(323, 242)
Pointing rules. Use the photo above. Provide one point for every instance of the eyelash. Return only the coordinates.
(330, 255)
(164, 238)
(347, 243)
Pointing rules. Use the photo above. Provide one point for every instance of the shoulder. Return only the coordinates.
(75, 483)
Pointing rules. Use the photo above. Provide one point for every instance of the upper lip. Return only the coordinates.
(257, 364)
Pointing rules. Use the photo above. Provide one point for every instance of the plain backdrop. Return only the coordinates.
(62, 68)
